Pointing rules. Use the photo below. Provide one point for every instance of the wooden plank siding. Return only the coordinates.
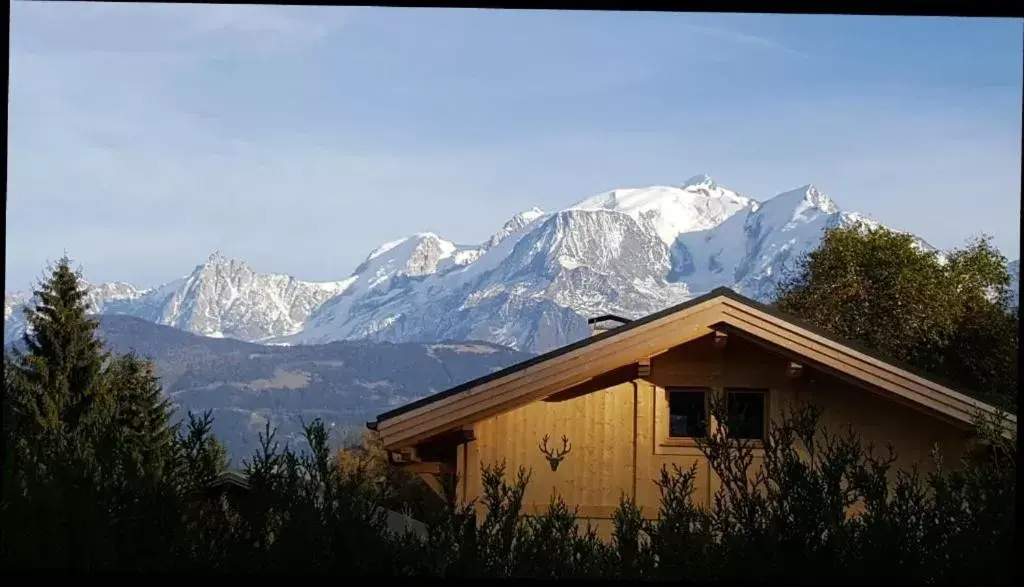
(619, 445)
(599, 467)
(547, 377)
(540, 381)
(609, 398)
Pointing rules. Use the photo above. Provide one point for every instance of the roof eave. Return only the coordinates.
(730, 297)
(615, 332)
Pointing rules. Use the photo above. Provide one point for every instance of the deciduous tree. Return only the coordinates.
(946, 313)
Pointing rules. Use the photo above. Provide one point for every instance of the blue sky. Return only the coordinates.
(143, 137)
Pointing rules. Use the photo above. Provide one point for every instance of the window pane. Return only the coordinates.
(746, 414)
(687, 414)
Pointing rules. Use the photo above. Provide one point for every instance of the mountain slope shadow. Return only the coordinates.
(345, 383)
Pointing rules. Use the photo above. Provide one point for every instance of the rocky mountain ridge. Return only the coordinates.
(529, 286)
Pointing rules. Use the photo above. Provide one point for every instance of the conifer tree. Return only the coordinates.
(138, 451)
(140, 432)
(58, 407)
(94, 474)
(199, 456)
(58, 398)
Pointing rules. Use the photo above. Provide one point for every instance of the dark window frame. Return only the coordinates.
(705, 394)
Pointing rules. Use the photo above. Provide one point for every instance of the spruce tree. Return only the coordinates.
(199, 456)
(94, 474)
(58, 407)
(137, 453)
(60, 403)
(140, 432)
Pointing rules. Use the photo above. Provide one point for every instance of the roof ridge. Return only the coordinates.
(629, 325)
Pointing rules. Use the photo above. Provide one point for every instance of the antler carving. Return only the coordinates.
(555, 456)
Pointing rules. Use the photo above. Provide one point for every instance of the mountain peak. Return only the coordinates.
(699, 205)
(514, 224)
(218, 261)
(701, 180)
(423, 236)
(819, 199)
(523, 218)
(808, 196)
(531, 214)
(384, 248)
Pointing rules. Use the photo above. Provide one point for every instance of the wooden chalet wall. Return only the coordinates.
(618, 436)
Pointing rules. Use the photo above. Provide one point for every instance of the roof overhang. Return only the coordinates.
(720, 310)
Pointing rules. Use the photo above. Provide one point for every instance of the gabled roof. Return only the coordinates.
(227, 481)
(720, 309)
(235, 478)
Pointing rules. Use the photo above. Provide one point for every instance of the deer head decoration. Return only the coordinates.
(554, 456)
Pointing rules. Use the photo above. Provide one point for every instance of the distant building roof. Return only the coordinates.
(608, 318)
(235, 478)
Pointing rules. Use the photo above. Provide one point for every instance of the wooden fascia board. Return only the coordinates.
(847, 375)
(546, 378)
(946, 394)
(478, 407)
(845, 364)
(904, 375)
(857, 364)
(545, 367)
(549, 377)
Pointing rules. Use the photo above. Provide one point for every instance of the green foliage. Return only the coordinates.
(947, 318)
(555, 546)
(57, 400)
(678, 543)
(364, 461)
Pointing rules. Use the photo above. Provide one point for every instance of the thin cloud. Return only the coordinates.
(267, 27)
(124, 122)
(186, 27)
(260, 20)
(742, 38)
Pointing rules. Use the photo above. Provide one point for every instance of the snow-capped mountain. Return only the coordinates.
(14, 321)
(700, 204)
(530, 286)
(629, 252)
(220, 298)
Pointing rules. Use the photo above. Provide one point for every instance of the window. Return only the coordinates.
(687, 409)
(745, 410)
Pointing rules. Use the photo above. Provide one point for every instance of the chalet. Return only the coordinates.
(599, 418)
